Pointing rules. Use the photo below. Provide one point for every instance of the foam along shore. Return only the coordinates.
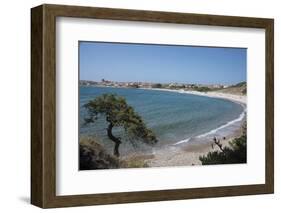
(235, 98)
(186, 152)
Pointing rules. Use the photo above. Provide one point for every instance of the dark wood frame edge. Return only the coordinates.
(43, 105)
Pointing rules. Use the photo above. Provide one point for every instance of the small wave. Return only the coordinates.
(182, 141)
(223, 126)
(240, 118)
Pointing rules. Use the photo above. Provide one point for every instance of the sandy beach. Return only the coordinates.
(235, 98)
(188, 153)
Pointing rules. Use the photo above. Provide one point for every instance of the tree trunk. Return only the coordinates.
(117, 141)
(116, 149)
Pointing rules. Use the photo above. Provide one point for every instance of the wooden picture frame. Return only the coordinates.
(43, 105)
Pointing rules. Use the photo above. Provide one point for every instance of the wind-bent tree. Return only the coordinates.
(119, 114)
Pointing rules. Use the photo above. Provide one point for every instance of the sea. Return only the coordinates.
(175, 118)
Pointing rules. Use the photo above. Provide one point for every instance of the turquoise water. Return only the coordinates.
(174, 117)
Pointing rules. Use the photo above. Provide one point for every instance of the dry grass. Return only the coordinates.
(94, 156)
(239, 89)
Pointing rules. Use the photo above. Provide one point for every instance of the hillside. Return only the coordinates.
(93, 155)
(237, 89)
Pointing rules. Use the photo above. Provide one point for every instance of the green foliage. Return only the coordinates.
(240, 84)
(156, 85)
(119, 114)
(177, 86)
(202, 89)
(93, 156)
(236, 153)
(134, 86)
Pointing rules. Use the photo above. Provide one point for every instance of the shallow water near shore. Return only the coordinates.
(175, 118)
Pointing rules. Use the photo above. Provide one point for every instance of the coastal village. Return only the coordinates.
(184, 86)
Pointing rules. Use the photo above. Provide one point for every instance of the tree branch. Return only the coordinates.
(217, 142)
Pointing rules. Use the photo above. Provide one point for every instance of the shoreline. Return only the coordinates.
(241, 99)
(238, 99)
(186, 152)
(187, 155)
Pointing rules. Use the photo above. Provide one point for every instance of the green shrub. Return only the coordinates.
(203, 89)
(240, 84)
(236, 153)
(156, 85)
(92, 155)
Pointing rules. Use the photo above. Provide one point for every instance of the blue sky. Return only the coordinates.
(161, 63)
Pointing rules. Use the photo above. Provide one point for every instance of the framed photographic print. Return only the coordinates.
(137, 106)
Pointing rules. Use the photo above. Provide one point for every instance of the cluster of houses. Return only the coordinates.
(107, 83)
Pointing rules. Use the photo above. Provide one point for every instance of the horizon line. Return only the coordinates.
(154, 82)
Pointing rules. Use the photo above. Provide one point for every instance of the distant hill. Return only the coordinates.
(237, 89)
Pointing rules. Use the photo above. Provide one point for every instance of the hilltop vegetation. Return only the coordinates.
(237, 89)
